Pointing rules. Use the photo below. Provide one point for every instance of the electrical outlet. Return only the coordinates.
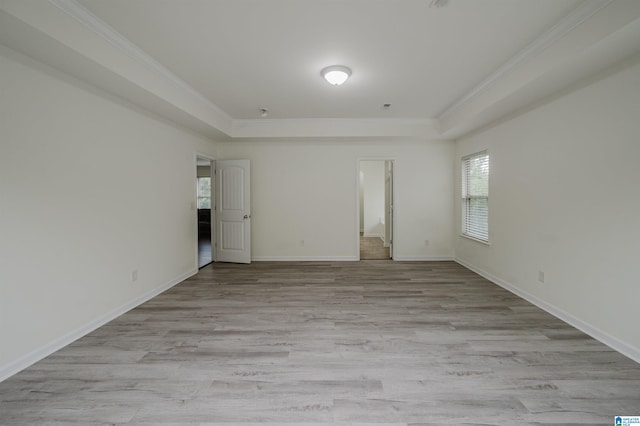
(134, 275)
(301, 243)
(541, 276)
(426, 242)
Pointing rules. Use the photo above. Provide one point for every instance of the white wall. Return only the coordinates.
(306, 191)
(565, 200)
(90, 189)
(373, 202)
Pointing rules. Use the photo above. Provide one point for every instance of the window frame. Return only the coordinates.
(200, 197)
(466, 197)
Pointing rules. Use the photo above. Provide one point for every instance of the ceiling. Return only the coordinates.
(246, 54)
(212, 65)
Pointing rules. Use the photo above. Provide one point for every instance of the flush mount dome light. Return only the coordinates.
(336, 74)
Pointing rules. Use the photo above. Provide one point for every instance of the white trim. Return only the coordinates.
(602, 336)
(576, 17)
(31, 358)
(109, 34)
(477, 240)
(402, 258)
(305, 258)
(346, 258)
(365, 128)
(266, 122)
(374, 236)
(476, 154)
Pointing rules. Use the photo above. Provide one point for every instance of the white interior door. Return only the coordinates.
(233, 211)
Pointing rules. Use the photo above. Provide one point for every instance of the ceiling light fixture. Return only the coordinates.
(336, 74)
(264, 112)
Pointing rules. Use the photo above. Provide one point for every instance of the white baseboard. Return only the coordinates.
(305, 258)
(374, 236)
(402, 258)
(345, 258)
(613, 342)
(31, 358)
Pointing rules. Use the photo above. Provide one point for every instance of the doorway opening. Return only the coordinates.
(375, 201)
(204, 167)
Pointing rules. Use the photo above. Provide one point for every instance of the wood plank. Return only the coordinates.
(318, 343)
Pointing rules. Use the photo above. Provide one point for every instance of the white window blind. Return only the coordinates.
(475, 196)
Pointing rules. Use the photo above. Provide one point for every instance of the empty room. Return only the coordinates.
(336, 212)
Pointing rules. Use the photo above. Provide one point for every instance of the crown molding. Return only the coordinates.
(332, 121)
(335, 127)
(109, 34)
(576, 17)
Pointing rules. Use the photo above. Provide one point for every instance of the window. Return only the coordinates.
(475, 196)
(204, 192)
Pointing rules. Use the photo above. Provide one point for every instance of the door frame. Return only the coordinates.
(212, 163)
(394, 200)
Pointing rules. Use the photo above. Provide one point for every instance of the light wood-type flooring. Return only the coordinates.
(346, 343)
(372, 248)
